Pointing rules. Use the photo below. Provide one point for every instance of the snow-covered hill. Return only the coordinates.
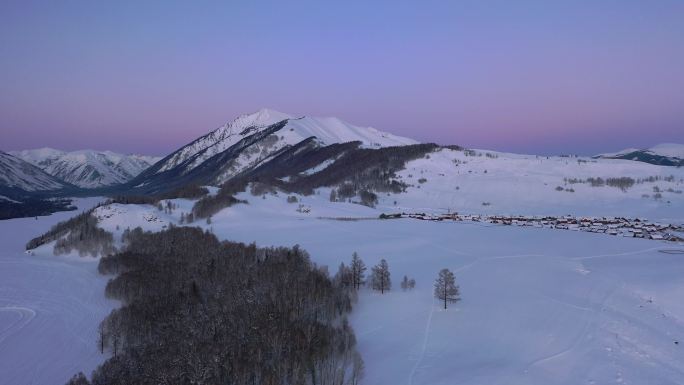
(673, 150)
(326, 130)
(87, 168)
(18, 174)
(479, 181)
(666, 154)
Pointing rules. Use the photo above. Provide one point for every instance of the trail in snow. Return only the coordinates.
(620, 254)
(25, 316)
(426, 336)
(589, 321)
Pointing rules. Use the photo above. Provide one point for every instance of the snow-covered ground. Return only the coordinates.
(539, 306)
(50, 307)
(526, 185)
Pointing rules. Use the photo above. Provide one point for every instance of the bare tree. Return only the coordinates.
(381, 277)
(358, 271)
(446, 288)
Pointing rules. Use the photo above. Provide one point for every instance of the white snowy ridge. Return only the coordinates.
(17, 173)
(87, 168)
(326, 130)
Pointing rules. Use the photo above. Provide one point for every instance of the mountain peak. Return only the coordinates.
(261, 118)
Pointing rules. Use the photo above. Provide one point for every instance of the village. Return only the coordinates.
(617, 226)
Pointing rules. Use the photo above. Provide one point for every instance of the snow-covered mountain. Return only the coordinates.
(253, 139)
(665, 154)
(87, 168)
(326, 130)
(16, 173)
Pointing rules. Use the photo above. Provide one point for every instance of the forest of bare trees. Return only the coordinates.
(200, 311)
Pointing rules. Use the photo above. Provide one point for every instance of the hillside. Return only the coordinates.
(19, 174)
(664, 154)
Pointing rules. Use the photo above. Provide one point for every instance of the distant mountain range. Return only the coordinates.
(665, 154)
(87, 168)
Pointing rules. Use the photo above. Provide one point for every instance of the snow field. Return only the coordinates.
(50, 307)
(540, 306)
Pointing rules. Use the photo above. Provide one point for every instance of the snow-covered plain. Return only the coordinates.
(50, 307)
(539, 306)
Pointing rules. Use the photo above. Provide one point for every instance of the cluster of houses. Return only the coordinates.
(625, 227)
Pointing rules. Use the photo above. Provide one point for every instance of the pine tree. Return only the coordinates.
(446, 288)
(358, 271)
(381, 277)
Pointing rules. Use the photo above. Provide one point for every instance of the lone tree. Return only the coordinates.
(358, 271)
(446, 288)
(381, 277)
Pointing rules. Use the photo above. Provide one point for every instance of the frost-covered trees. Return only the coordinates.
(408, 283)
(368, 198)
(78, 379)
(380, 279)
(344, 277)
(358, 271)
(79, 233)
(445, 287)
(196, 310)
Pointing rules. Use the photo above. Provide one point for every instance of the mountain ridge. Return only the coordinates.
(87, 168)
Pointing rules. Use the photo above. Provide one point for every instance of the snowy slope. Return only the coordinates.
(673, 150)
(499, 183)
(326, 130)
(87, 168)
(17, 173)
(668, 154)
(50, 307)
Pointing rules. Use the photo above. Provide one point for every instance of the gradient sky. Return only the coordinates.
(524, 76)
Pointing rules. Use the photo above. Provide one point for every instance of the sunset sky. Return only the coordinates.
(543, 77)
